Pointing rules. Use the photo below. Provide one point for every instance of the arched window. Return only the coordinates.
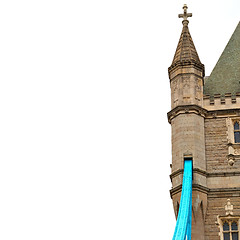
(236, 132)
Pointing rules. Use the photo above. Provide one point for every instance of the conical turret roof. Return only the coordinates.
(186, 52)
(225, 77)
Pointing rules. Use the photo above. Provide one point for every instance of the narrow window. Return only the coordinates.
(234, 228)
(236, 132)
(226, 231)
(234, 236)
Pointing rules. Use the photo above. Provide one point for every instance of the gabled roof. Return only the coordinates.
(225, 77)
(186, 52)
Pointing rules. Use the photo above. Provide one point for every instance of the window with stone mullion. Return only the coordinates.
(230, 230)
(226, 231)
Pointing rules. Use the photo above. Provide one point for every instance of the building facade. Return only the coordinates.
(205, 121)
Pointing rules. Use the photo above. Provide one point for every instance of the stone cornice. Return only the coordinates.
(232, 112)
(200, 171)
(176, 173)
(175, 190)
(195, 109)
(200, 188)
(195, 170)
(212, 193)
(224, 192)
(206, 174)
(195, 187)
(223, 174)
(186, 109)
(184, 64)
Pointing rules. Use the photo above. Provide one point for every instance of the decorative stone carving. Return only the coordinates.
(186, 90)
(236, 151)
(233, 148)
(229, 208)
(174, 93)
(231, 159)
(198, 90)
(231, 162)
(228, 124)
(229, 217)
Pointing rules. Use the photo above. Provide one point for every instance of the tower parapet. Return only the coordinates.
(221, 102)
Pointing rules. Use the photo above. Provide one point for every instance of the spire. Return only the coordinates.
(186, 53)
(225, 77)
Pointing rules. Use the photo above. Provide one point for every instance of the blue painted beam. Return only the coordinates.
(184, 221)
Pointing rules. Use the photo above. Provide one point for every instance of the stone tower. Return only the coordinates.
(205, 121)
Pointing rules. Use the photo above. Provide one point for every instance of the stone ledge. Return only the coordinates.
(185, 64)
(195, 187)
(212, 193)
(223, 174)
(232, 112)
(195, 170)
(186, 109)
(224, 192)
(195, 109)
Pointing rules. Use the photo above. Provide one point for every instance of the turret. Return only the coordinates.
(186, 75)
(186, 71)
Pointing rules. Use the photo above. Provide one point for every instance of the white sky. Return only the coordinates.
(85, 142)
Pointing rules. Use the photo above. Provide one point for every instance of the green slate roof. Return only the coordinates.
(225, 77)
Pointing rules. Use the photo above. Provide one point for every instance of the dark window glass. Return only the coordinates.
(237, 137)
(226, 236)
(234, 236)
(225, 227)
(236, 126)
(234, 226)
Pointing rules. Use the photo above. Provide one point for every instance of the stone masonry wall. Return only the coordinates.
(222, 186)
(216, 144)
(216, 206)
(188, 138)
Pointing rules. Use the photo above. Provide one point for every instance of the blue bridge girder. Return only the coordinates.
(184, 220)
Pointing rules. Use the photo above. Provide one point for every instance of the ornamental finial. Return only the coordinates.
(185, 15)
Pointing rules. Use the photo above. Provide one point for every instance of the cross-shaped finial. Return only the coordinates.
(185, 15)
